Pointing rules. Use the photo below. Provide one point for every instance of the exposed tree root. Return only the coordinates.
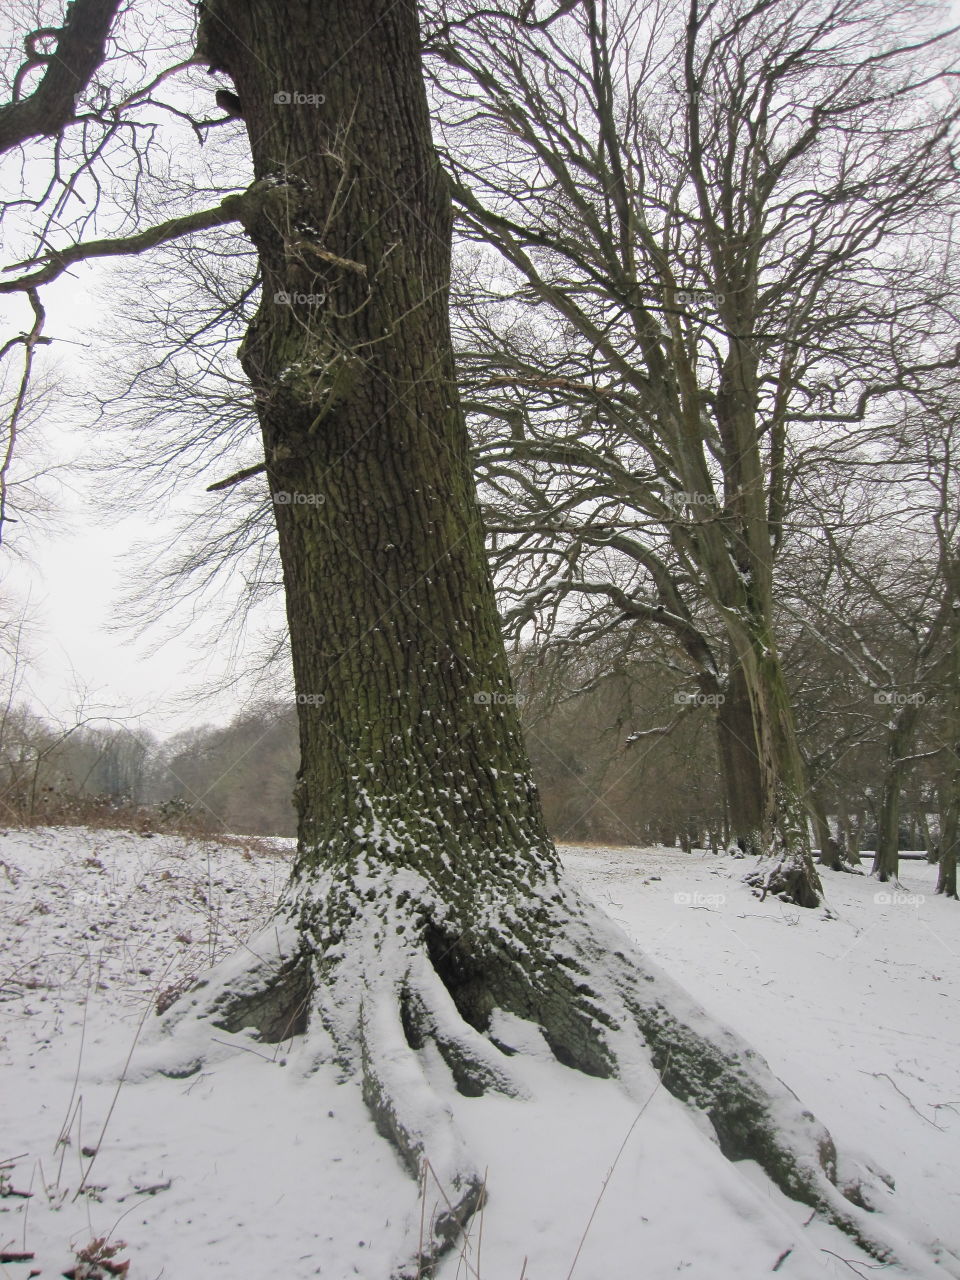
(407, 1111)
(400, 987)
(786, 876)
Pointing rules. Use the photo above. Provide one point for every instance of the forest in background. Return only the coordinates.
(624, 751)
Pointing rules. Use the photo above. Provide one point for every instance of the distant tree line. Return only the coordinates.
(623, 744)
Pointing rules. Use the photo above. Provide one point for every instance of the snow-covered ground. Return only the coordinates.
(266, 1165)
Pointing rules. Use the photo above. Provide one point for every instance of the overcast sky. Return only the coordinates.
(72, 578)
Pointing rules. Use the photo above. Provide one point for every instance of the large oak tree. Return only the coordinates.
(425, 894)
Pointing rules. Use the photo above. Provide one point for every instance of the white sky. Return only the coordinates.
(72, 576)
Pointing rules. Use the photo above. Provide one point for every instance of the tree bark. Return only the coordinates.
(739, 763)
(950, 793)
(763, 772)
(830, 849)
(784, 835)
(886, 861)
(408, 725)
(950, 833)
(68, 69)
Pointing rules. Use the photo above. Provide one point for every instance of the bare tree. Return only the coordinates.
(882, 601)
(715, 206)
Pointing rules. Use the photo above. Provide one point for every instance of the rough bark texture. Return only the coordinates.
(426, 893)
(402, 683)
(68, 68)
(788, 870)
(740, 766)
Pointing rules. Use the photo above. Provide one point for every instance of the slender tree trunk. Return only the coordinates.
(930, 843)
(950, 794)
(886, 861)
(852, 835)
(950, 832)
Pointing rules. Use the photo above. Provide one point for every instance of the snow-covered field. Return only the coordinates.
(266, 1165)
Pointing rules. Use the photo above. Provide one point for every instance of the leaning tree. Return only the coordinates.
(425, 894)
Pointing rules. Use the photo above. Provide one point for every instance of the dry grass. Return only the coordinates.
(53, 808)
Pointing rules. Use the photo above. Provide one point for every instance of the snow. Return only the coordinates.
(266, 1163)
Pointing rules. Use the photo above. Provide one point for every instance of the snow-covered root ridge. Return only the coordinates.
(366, 995)
(786, 875)
(404, 995)
(409, 1111)
(606, 1009)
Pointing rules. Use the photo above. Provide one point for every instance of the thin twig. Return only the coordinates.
(878, 1074)
(148, 1008)
(871, 1266)
(612, 1169)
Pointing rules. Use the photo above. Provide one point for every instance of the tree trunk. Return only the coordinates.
(930, 842)
(830, 849)
(425, 893)
(886, 861)
(789, 871)
(950, 794)
(764, 784)
(739, 763)
(950, 832)
(409, 732)
(850, 830)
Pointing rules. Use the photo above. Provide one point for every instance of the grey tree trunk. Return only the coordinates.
(764, 776)
(407, 720)
(950, 794)
(740, 765)
(886, 861)
(830, 850)
(950, 834)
